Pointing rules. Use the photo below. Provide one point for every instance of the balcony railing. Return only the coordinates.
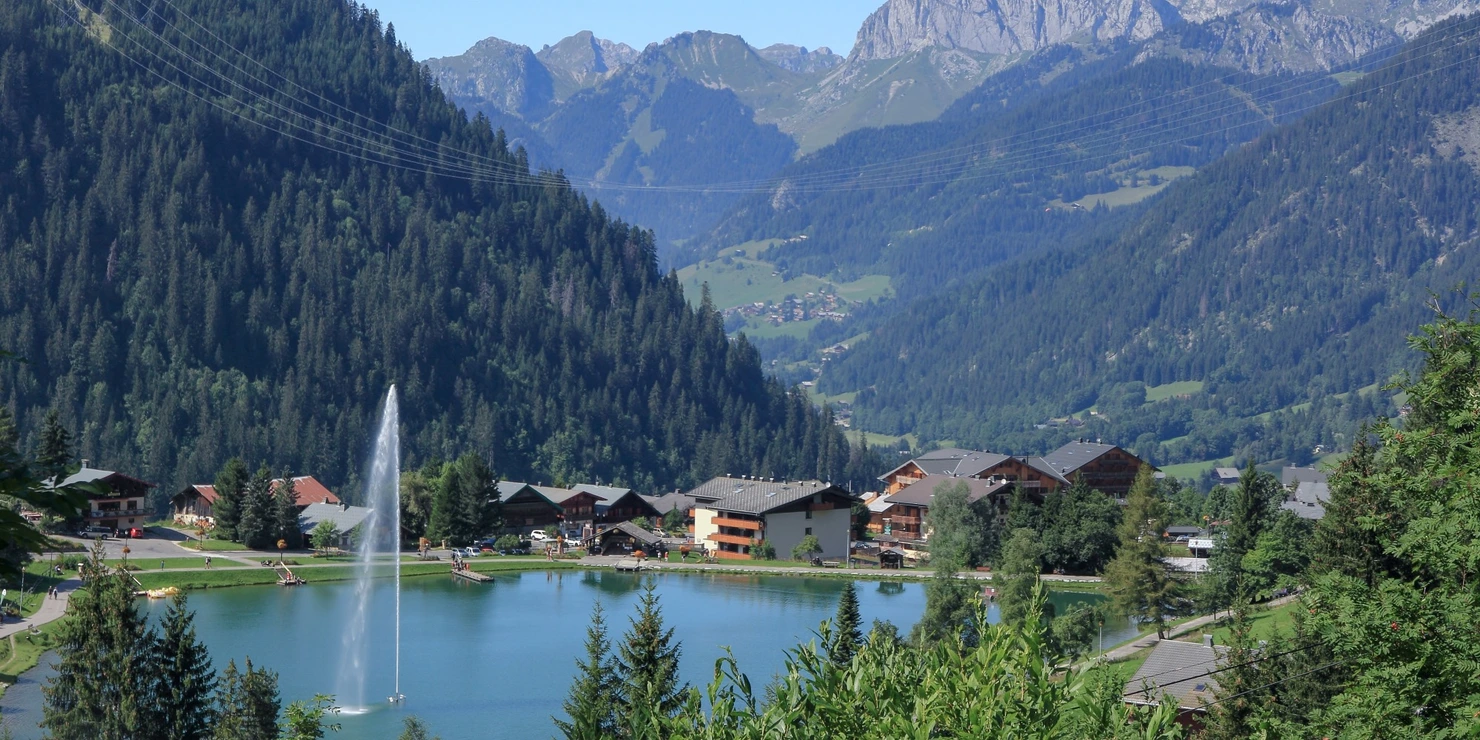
(722, 521)
(732, 539)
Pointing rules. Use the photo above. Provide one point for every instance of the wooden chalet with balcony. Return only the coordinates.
(122, 504)
(732, 515)
(1105, 468)
(195, 505)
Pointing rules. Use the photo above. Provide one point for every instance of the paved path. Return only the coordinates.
(1125, 651)
(740, 567)
(50, 611)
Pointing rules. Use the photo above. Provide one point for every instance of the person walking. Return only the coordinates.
(208, 562)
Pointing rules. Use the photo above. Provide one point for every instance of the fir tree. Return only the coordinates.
(231, 486)
(647, 671)
(184, 679)
(590, 704)
(258, 522)
(1252, 504)
(53, 448)
(247, 704)
(10, 438)
(1020, 566)
(415, 729)
(103, 687)
(847, 631)
(1138, 579)
(285, 513)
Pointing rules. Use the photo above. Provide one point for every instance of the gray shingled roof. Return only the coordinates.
(1293, 476)
(1043, 466)
(1075, 455)
(1309, 501)
(1176, 669)
(942, 461)
(637, 533)
(345, 518)
(922, 492)
(746, 496)
(604, 494)
(668, 501)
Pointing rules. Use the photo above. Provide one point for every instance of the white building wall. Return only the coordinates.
(785, 531)
(704, 526)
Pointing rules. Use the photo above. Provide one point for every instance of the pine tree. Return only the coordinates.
(257, 519)
(847, 630)
(185, 680)
(1252, 500)
(247, 704)
(415, 729)
(230, 485)
(103, 687)
(10, 438)
(647, 671)
(590, 704)
(285, 513)
(53, 448)
(1138, 579)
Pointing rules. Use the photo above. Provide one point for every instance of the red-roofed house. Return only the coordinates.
(193, 505)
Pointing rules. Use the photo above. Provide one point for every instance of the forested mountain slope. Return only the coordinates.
(998, 175)
(195, 266)
(1288, 272)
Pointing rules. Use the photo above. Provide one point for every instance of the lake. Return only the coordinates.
(495, 660)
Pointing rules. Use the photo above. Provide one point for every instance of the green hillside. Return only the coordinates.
(1281, 278)
(187, 278)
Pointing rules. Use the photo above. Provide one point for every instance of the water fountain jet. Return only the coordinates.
(380, 535)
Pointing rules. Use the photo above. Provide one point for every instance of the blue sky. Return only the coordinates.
(435, 28)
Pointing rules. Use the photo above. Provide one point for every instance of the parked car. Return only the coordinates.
(471, 552)
(95, 533)
(136, 533)
(538, 536)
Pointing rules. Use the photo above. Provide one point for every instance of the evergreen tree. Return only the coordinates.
(10, 437)
(54, 452)
(104, 685)
(184, 679)
(1138, 579)
(1017, 575)
(258, 520)
(847, 630)
(1360, 520)
(415, 729)
(247, 704)
(465, 505)
(1253, 501)
(590, 704)
(231, 486)
(285, 513)
(647, 671)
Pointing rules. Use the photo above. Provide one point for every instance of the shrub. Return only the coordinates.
(806, 548)
(763, 550)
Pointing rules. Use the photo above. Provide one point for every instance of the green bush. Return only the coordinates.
(763, 550)
(807, 548)
(506, 542)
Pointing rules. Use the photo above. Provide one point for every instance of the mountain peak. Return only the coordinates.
(502, 73)
(798, 59)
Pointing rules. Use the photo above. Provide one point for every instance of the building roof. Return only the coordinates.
(344, 516)
(636, 532)
(1176, 669)
(922, 492)
(880, 504)
(94, 475)
(1176, 530)
(943, 460)
(671, 500)
(507, 490)
(1075, 455)
(555, 495)
(603, 494)
(1042, 465)
(1227, 473)
(307, 490)
(1292, 476)
(755, 496)
(1309, 501)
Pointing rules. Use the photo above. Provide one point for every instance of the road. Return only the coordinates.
(1131, 648)
(51, 610)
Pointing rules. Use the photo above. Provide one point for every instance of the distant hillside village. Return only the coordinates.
(738, 517)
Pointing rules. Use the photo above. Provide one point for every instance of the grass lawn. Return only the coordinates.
(324, 573)
(1172, 390)
(215, 545)
(1263, 625)
(20, 653)
(1128, 667)
(1195, 469)
(148, 564)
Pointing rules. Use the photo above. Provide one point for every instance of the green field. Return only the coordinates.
(197, 579)
(1195, 469)
(1127, 195)
(746, 279)
(1171, 390)
(147, 564)
(215, 545)
(1263, 625)
(20, 653)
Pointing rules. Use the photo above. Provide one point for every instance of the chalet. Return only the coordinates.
(733, 514)
(344, 517)
(1105, 468)
(1226, 476)
(1183, 671)
(1292, 476)
(121, 504)
(1032, 473)
(527, 508)
(1308, 500)
(675, 500)
(193, 505)
(530, 507)
(904, 517)
(612, 504)
(624, 538)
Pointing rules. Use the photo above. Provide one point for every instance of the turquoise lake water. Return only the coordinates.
(495, 660)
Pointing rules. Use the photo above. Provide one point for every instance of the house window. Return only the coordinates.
(809, 513)
(809, 530)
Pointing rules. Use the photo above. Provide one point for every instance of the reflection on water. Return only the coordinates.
(495, 660)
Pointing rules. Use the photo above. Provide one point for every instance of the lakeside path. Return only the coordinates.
(50, 611)
(1128, 649)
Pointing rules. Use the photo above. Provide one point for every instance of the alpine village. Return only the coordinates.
(1055, 369)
